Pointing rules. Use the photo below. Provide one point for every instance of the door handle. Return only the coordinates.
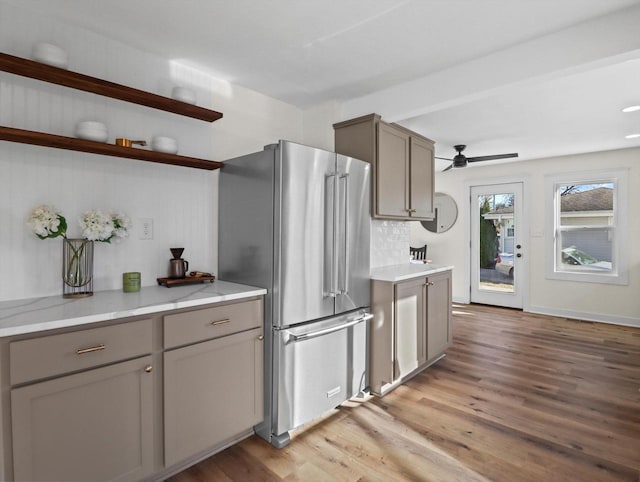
(335, 266)
(345, 284)
(314, 334)
(329, 289)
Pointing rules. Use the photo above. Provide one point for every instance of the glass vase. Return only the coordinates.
(77, 268)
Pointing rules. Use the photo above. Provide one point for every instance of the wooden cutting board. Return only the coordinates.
(169, 282)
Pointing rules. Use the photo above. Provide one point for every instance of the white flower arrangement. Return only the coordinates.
(47, 222)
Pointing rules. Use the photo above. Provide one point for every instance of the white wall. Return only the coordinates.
(318, 125)
(182, 202)
(592, 301)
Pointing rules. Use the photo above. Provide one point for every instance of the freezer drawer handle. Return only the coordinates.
(314, 334)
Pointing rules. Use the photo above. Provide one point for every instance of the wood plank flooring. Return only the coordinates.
(519, 397)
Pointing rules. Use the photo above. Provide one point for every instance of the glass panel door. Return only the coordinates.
(496, 245)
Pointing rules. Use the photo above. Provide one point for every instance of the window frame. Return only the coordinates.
(618, 229)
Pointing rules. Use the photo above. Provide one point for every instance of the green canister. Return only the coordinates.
(131, 282)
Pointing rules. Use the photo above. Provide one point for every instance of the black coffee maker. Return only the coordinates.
(178, 267)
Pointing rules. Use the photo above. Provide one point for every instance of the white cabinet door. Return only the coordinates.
(96, 425)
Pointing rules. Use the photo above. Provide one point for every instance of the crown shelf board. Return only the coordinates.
(72, 144)
(55, 75)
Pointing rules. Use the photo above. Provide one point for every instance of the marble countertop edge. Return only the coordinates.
(18, 317)
(402, 272)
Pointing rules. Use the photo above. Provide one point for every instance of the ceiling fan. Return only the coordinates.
(460, 160)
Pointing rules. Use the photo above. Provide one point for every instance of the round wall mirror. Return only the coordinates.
(446, 213)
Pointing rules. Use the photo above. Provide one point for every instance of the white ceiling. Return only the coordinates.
(539, 77)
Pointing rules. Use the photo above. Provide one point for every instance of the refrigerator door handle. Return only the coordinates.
(345, 285)
(330, 248)
(314, 334)
(336, 239)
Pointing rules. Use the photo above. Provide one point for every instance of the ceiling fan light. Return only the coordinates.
(631, 108)
(459, 161)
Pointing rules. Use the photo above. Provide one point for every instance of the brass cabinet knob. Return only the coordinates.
(148, 369)
(261, 337)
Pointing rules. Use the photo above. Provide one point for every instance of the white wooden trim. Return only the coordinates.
(578, 315)
(525, 236)
(619, 176)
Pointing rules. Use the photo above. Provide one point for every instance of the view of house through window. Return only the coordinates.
(586, 226)
(585, 223)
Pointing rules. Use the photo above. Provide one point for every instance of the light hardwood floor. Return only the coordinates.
(519, 397)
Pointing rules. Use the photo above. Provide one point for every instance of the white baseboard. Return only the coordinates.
(462, 301)
(578, 315)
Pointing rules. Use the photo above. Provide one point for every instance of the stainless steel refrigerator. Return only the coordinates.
(295, 220)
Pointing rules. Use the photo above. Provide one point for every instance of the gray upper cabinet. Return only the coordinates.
(421, 178)
(403, 166)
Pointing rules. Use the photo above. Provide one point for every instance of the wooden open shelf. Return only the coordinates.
(72, 144)
(68, 78)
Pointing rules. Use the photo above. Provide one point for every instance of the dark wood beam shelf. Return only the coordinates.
(68, 78)
(72, 144)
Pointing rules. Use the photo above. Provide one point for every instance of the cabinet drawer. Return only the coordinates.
(198, 325)
(55, 354)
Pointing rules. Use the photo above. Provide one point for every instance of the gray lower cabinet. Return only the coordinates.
(411, 328)
(131, 399)
(96, 425)
(213, 392)
(438, 314)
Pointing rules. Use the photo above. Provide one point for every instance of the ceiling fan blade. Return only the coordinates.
(443, 158)
(491, 158)
(450, 167)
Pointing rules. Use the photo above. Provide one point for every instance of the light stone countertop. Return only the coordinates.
(401, 272)
(31, 315)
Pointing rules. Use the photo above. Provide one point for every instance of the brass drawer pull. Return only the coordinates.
(220, 322)
(261, 337)
(148, 369)
(82, 351)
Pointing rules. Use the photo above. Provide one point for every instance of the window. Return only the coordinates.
(586, 235)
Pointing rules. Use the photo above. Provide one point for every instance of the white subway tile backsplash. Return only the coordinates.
(389, 242)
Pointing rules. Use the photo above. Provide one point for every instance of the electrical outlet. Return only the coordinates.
(146, 228)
